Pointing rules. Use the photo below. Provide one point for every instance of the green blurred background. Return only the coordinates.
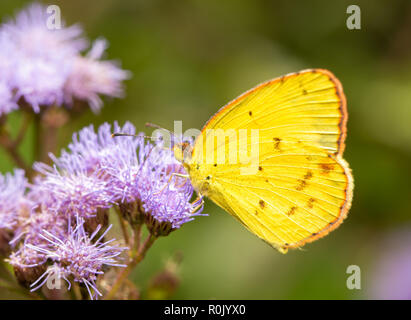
(190, 57)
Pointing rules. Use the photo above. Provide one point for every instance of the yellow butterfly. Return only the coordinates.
(301, 188)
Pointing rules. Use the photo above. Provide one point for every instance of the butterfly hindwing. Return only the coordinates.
(297, 196)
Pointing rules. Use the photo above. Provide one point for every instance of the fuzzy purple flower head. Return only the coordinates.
(78, 256)
(91, 77)
(71, 190)
(45, 67)
(12, 199)
(165, 196)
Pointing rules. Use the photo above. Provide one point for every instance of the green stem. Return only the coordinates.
(27, 117)
(12, 148)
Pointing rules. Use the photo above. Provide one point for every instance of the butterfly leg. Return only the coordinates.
(198, 199)
(171, 177)
(185, 176)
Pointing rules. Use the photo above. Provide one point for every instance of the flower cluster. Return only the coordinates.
(56, 221)
(42, 67)
(79, 256)
(97, 172)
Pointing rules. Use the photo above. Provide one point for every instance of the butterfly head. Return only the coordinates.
(182, 152)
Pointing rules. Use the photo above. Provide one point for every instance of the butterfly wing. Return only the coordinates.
(299, 194)
(308, 106)
(303, 188)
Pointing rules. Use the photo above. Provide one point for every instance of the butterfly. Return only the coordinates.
(298, 187)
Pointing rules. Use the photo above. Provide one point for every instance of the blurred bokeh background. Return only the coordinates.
(190, 57)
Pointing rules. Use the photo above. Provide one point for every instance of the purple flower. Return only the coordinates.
(29, 264)
(98, 149)
(41, 58)
(12, 199)
(7, 101)
(30, 33)
(71, 190)
(137, 172)
(91, 77)
(99, 171)
(165, 196)
(78, 256)
(45, 67)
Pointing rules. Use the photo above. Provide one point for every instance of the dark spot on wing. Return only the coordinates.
(262, 204)
(308, 175)
(326, 168)
(277, 143)
(256, 212)
(291, 211)
(215, 164)
(250, 113)
(310, 202)
(260, 168)
(304, 92)
(302, 183)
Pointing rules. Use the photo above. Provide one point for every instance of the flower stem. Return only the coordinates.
(123, 226)
(137, 236)
(123, 275)
(77, 291)
(11, 146)
(47, 125)
(27, 117)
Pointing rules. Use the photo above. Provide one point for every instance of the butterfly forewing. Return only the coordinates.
(308, 106)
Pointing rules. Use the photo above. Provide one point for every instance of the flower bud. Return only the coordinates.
(133, 212)
(158, 228)
(101, 219)
(5, 237)
(27, 275)
(165, 283)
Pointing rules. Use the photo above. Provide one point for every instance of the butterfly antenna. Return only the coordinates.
(152, 125)
(156, 126)
(119, 134)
